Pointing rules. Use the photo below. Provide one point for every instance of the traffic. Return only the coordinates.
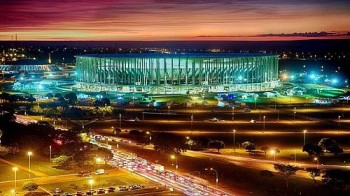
(156, 172)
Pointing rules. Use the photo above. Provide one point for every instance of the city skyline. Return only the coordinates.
(145, 20)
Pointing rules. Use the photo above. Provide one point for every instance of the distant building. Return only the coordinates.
(27, 66)
(177, 73)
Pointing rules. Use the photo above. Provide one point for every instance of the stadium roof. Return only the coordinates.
(183, 55)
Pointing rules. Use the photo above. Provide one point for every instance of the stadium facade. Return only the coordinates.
(177, 73)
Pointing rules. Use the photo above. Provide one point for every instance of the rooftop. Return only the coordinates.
(183, 55)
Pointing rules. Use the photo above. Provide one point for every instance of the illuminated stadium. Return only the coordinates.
(158, 73)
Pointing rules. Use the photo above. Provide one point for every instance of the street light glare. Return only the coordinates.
(305, 131)
(234, 130)
(172, 156)
(98, 159)
(91, 181)
(30, 153)
(15, 168)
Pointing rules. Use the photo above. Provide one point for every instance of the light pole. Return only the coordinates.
(191, 123)
(174, 157)
(91, 181)
(15, 169)
(233, 113)
(150, 136)
(295, 112)
(264, 117)
(339, 123)
(50, 152)
(255, 102)
(168, 109)
(304, 136)
(318, 162)
(216, 176)
(120, 121)
(30, 170)
(234, 139)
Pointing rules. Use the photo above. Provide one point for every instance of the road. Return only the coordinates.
(157, 173)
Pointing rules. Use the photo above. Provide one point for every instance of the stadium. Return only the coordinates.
(157, 73)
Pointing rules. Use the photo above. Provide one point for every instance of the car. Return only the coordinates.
(84, 173)
(122, 188)
(58, 190)
(111, 189)
(213, 120)
(252, 121)
(101, 191)
(89, 193)
(134, 187)
(246, 110)
(100, 171)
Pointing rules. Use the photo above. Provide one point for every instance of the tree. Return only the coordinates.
(30, 187)
(249, 146)
(314, 172)
(286, 171)
(138, 136)
(265, 149)
(62, 161)
(49, 95)
(71, 97)
(337, 179)
(169, 142)
(330, 145)
(312, 149)
(217, 144)
(36, 109)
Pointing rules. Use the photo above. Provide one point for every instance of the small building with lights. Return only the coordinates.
(159, 73)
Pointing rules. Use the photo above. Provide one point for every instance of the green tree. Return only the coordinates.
(265, 149)
(312, 149)
(314, 172)
(218, 145)
(62, 161)
(36, 109)
(286, 171)
(249, 146)
(30, 187)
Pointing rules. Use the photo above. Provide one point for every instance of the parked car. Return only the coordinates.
(58, 190)
(122, 188)
(100, 171)
(111, 189)
(101, 191)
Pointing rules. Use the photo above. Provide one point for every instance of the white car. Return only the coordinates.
(100, 171)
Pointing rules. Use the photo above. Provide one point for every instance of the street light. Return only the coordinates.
(191, 123)
(50, 152)
(273, 152)
(168, 109)
(339, 122)
(150, 136)
(174, 157)
(264, 117)
(255, 101)
(15, 169)
(216, 176)
(233, 113)
(318, 162)
(120, 121)
(91, 181)
(234, 139)
(30, 170)
(304, 136)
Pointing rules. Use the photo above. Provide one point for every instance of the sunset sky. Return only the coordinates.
(174, 19)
